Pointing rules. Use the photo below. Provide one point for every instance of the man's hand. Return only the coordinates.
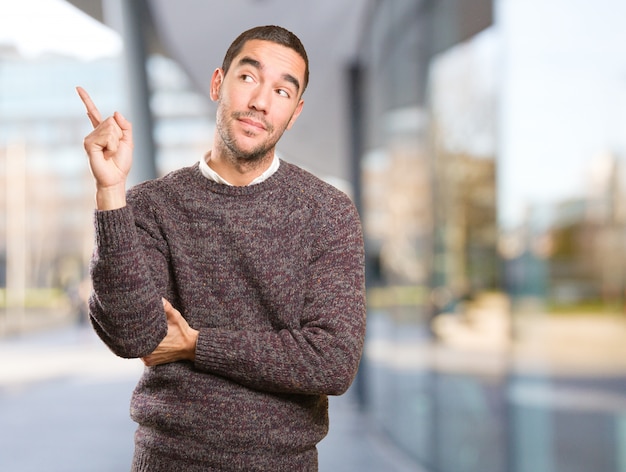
(180, 342)
(110, 150)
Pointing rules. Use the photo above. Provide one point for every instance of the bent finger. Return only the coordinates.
(168, 307)
(122, 122)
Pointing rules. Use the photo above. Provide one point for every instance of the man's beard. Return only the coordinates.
(254, 155)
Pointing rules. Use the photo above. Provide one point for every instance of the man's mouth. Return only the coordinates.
(252, 122)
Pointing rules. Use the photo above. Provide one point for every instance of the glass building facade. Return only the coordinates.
(46, 190)
(46, 197)
(493, 190)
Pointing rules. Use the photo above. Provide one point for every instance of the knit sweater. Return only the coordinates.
(272, 277)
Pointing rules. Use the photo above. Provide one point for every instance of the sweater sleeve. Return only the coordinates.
(125, 306)
(322, 355)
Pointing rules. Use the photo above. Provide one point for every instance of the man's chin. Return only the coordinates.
(252, 153)
(249, 150)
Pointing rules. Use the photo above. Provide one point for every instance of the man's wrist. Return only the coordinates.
(192, 336)
(110, 198)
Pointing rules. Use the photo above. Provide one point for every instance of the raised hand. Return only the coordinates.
(110, 150)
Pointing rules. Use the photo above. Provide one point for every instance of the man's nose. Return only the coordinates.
(261, 99)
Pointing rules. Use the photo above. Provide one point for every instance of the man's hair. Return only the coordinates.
(275, 34)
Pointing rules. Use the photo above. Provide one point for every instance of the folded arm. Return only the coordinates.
(322, 354)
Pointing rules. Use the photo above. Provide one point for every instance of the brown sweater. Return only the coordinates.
(272, 277)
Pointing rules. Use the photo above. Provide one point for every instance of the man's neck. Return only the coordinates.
(237, 173)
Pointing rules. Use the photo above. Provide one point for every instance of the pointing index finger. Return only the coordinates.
(92, 110)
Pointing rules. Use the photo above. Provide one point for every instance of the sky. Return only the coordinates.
(36, 27)
(563, 98)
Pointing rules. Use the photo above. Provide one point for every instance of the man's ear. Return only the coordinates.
(216, 83)
(296, 113)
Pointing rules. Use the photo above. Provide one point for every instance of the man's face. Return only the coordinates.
(258, 99)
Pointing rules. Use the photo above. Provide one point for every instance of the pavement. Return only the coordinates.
(64, 408)
(64, 397)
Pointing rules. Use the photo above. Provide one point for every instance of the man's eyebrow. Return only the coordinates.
(290, 78)
(257, 65)
(248, 60)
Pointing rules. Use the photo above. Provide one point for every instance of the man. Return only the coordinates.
(238, 281)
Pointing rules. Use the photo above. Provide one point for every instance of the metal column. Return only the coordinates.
(126, 18)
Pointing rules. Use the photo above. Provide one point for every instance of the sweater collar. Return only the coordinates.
(215, 177)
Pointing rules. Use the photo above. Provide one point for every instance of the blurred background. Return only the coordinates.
(484, 144)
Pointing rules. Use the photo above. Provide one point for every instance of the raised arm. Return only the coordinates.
(125, 305)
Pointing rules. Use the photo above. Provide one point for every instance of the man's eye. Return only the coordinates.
(247, 78)
(282, 93)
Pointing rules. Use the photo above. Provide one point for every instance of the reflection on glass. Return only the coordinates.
(509, 352)
(46, 191)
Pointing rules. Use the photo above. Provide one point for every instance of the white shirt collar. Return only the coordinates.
(214, 176)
